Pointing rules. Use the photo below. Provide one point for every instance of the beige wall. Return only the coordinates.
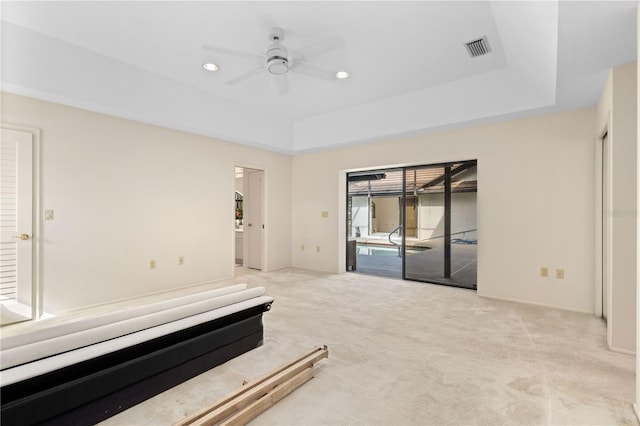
(535, 202)
(124, 193)
(617, 115)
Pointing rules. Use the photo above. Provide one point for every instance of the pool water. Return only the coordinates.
(367, 250)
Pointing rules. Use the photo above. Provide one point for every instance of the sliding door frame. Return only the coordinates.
(448, 176)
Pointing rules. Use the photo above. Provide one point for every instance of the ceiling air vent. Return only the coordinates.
(478, 47)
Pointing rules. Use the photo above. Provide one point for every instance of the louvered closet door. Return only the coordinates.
(16, 247)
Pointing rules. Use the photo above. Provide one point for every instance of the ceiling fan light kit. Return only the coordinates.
(278, 65)
(277, 61)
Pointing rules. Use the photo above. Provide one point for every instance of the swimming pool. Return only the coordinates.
(368, 250)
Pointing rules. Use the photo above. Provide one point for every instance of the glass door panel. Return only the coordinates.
(464, 228)
(443, 247)
(374, 222)
(424, 250)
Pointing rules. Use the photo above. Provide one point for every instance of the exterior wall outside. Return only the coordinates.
(124, 193)
(360, 215)
(534, 205)
(431, 215)
(617, 114)
(464, 208)
(387, 213)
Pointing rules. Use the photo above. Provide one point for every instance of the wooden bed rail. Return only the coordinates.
(256, 396)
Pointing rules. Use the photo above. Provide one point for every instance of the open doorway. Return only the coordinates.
(249, 218)
(415, 223)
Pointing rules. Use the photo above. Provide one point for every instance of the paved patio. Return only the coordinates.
(425, 265)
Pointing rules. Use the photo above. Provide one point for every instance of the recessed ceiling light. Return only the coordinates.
(210, 67)
(342, 74)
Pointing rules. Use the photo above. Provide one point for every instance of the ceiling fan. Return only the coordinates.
(279, 60)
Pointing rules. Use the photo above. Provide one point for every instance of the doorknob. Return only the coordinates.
(22, 236)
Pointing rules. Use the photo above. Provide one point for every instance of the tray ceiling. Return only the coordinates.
(409, 69)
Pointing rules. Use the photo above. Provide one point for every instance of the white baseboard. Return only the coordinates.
(622, 351)
(525, 302)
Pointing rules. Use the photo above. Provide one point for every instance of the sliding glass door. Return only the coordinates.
(424, 253)
(374, 221)
(444, 249)
(415, 223)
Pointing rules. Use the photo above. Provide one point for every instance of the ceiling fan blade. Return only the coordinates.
(282, 83)
(313, 71)
(231, 52)
(245, 76)
(321, 47)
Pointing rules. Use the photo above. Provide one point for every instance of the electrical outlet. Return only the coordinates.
(302, 247)
(560, 274)
(318, 249)
(181, 260)
(152, 264)
(544, 272)
(324, 213)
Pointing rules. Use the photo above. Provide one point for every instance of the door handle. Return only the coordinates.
(22, 236)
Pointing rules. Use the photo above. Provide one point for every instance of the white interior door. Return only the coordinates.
(254, 223)
(16, 215)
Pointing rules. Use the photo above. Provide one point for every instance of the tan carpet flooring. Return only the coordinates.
(405, 353)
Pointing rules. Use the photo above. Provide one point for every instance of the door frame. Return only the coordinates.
(603, 255)
(37, 297)
(344, 227)
(264, 210)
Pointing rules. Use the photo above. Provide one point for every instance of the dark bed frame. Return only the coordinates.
(95, 389)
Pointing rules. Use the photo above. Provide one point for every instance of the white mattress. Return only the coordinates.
(68, 342)
(35, 368)
(111, 317)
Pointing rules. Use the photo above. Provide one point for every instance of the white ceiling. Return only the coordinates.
(409, 69)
